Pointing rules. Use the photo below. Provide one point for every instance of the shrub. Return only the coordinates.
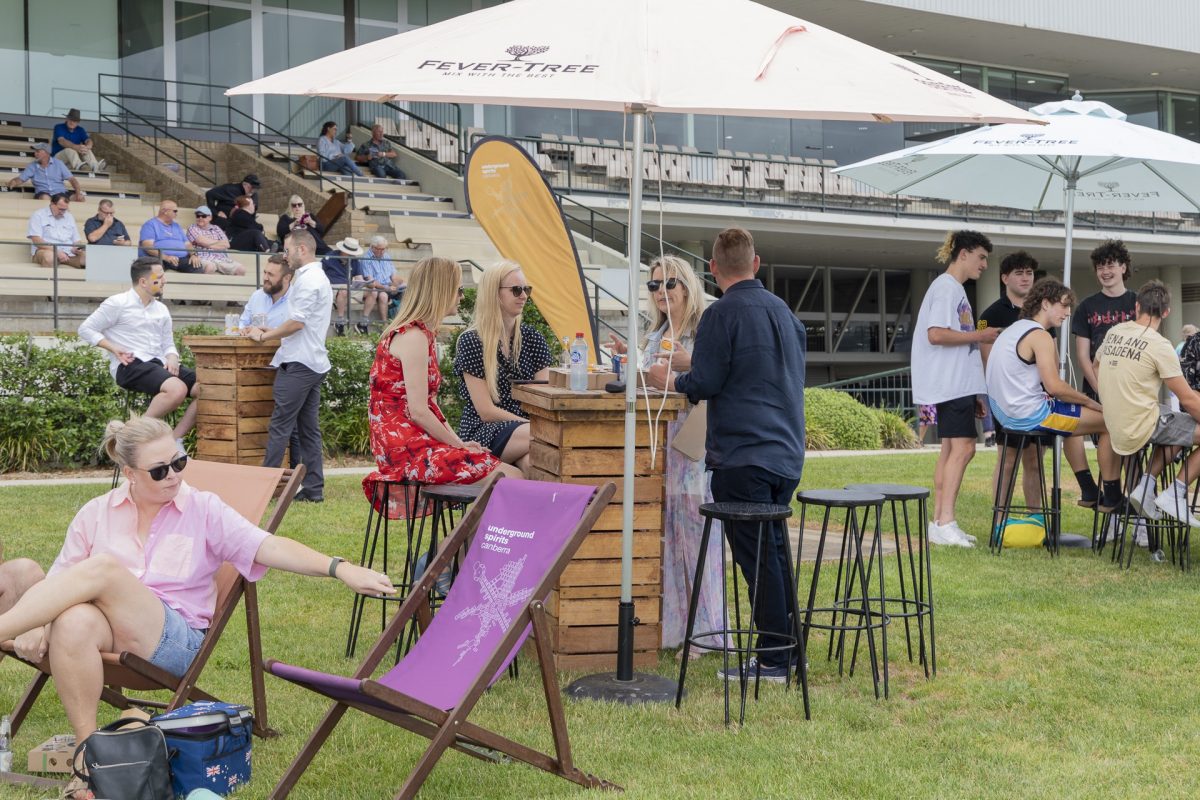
(345, 396)
(895, 431)
(849, 424)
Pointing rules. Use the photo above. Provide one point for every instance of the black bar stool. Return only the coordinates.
(920, 574)
(765, 514)
(409, 493)
(442, 501)
(849, 601)
(1166, 530)
(1002, 498)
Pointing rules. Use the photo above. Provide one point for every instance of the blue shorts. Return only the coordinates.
(1057, 419)
(179, 643)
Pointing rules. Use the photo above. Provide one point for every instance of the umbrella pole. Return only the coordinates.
(1064, 333)
(626, 686)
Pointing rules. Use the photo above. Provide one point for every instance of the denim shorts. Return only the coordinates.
(179, 643)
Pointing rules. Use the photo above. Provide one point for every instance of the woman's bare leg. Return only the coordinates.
(16, 577)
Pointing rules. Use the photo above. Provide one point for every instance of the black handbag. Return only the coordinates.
(126, 759)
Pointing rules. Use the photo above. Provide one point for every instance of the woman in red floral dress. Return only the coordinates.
(409, 435)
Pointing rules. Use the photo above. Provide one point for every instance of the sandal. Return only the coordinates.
(76, 789)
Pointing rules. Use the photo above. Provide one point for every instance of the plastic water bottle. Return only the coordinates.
(5, 747)
(579, 364)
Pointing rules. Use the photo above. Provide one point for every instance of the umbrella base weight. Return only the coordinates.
(642, 688)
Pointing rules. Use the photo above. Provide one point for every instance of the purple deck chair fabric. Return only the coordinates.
(522, 532)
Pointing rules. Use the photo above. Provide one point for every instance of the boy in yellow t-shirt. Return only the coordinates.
(1132, 364)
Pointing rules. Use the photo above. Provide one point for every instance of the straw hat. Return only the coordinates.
(349, 246)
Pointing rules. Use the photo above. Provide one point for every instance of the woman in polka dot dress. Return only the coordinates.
(409, 434)
(496, 350)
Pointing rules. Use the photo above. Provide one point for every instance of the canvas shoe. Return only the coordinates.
(944, 534)
(1142, 498)
(968, 538)
(769, 674)
(1141, 536)
(1174, 503)
(100, 165)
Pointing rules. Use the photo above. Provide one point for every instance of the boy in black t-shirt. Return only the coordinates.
(1110, 306)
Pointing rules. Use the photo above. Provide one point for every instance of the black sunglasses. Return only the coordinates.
(160, 472)
(654, 286)
(517, 291)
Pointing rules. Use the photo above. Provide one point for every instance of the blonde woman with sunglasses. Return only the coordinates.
(678, 299)
(136, 571)
(496, 350)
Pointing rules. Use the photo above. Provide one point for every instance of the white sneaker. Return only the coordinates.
(1174, 502)
(100, 165)
(1142, 498)
(944, 534)
(1141, 537)
(968, 538)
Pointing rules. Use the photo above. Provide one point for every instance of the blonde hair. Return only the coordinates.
(431, 288)
(123, 440)
(294, 199)
(489, 323)
(693, 302)
(958, 241)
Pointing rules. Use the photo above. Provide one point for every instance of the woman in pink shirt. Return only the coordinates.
(136, 571)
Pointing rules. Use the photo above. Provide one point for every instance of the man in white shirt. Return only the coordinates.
(301, 363)
(54, 225)
(136, 331)
(947, 371)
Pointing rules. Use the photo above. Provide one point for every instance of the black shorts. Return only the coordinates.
(184, 267)
(148, 377)
(500, 440)
(956, 418)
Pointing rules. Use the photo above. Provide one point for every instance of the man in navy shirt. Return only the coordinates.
(71, 144)
(748, 363)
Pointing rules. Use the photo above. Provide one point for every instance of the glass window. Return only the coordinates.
(706, 132)
(808, 138)
(12, 56)
(1034, 89)
(1185, 116)
(382, 10)
(66, 53)
(536, 121)
(1002, 83)
(1141, 108)
(287, 42)
(756, 135)
(604, 125)
(847, 142)
(670, 129)
(212, 52)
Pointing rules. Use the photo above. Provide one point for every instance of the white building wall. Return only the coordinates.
(1171, 24)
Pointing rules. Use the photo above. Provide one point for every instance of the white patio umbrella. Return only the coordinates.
(731, 57)
(1085, 157)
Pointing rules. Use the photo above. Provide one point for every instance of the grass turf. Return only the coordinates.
(1056, 678)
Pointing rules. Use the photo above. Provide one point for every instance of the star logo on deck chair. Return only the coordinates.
(498, 598)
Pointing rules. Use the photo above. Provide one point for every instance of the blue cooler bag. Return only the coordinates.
(209, 746)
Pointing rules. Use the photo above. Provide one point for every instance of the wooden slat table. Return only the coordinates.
(235, 398)
(579, 437)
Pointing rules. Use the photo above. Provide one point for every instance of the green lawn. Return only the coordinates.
(1057, 678)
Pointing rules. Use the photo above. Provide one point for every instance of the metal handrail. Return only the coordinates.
(158, 131)
(457, 134)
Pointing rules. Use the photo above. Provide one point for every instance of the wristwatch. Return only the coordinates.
(333, 565)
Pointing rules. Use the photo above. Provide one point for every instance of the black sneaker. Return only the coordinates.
(303, 498)
(770, 674)
(363, 328)
(339, 329)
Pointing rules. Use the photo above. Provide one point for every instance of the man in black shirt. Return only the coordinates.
(748, 362)
(105, 228)
(1110, 306)
(221, 199)
(1017, 275)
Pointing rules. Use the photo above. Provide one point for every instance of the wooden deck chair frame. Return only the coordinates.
(126, 671)
(450, 729)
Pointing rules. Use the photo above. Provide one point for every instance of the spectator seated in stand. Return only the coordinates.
(342, 269)
(222, 199)
(297, 217)
(47, 175)
(382, 282)
(54, 225)
(378, 154)
(71, 144)
(163, 238)
(105, 228)
(245, 231)
(335, 155)
(211, 243)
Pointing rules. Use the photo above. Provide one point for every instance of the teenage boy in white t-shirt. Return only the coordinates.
(947, 371)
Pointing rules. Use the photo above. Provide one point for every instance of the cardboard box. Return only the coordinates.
(561, 378)
(53, 755)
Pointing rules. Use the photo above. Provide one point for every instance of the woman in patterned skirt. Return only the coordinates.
(409, 435)
(678, 299)
(496, 350)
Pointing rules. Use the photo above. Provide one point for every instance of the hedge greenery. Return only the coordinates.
(56, 400)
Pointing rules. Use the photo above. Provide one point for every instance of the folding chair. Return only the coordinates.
(248, 490)
(522, 534)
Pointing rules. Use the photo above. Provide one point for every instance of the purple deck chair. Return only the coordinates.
(522, 534)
